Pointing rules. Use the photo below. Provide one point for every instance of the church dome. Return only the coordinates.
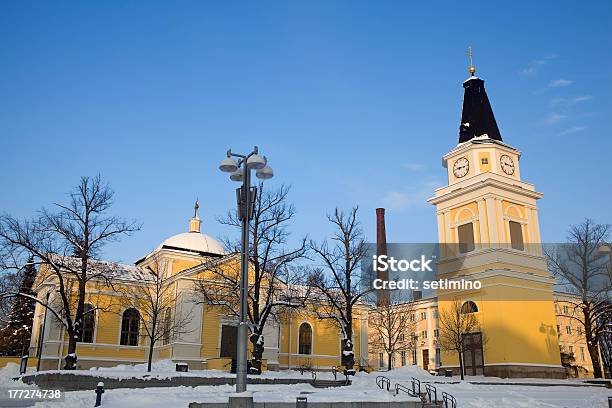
(194, 240)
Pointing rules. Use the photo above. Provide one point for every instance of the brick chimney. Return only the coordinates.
(382, 295)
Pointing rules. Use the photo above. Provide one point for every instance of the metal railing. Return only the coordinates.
(383, 382)
(431, 390)
(399, 387)
(449, 400)
(416, 386)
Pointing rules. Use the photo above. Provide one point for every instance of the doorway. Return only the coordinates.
(473, 357)
(229, 334)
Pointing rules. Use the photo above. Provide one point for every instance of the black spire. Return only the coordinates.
(477, 117)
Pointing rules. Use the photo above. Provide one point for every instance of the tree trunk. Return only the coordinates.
(150, 360)
(594, 353)
(258, 348)
(461, 364)
(348, 353)
(587, 312)
(390, 361)
(71, 358)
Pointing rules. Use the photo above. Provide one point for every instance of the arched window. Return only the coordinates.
(305, 339)
(469, 307)
(89, 324)
(130, 323)
(167, 325)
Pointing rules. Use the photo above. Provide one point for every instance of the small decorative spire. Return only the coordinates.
(194, 222)
(469, 55)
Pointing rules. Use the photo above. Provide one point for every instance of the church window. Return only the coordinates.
(423, 315)
(582, 353)
(130, 322)
(167, 325)
(381, 360)
(469, 307)
(484, 160)
(403, 355)
(436, 333)
(579, 328)
(89, 324)
(516, 236)
(466, 237)
(568, 329)
(305, 339)
(424, 334)
(571, 349)
(565, 309)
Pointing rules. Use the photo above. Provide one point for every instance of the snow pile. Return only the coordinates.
(157, 366)
(10, 371)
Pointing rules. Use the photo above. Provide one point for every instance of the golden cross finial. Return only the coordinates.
(469, 55)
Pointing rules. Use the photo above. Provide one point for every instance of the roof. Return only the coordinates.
(112, 270)
(477, 117)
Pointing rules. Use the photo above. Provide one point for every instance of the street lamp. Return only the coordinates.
(241, 171)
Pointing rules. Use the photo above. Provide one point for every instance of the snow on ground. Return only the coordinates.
(167, 369)
(469, 393)
(10, 371)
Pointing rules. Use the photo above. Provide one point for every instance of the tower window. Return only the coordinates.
(466, 237)
(484, 160)
(516, 236)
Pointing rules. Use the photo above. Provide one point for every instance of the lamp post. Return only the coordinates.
(241, 171)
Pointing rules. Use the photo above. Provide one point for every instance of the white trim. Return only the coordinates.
(472, 217)
(491, 273)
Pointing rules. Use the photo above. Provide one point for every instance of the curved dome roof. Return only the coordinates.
(194, 241)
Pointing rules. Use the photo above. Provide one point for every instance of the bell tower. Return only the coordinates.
(489, 232)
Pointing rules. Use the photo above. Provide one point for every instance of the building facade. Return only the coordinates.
(113, 331)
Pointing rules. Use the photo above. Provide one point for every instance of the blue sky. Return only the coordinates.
(353, 103)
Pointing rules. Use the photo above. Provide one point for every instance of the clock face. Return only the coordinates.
(507, 164)
(461, 167)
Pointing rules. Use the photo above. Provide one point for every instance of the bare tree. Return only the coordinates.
(582, 269)
(454, 323)
(272, 287)
(338, 281)
(155, 301)
(390, 328)
(65, 242)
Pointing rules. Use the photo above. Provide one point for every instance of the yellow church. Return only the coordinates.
(114, 333)
(488, 230)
